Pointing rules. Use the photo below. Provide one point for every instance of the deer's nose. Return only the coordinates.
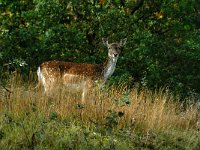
(115, 55)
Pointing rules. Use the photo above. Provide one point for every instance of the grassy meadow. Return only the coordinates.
(113, 118)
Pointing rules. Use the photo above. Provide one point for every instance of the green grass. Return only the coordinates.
(120, 119)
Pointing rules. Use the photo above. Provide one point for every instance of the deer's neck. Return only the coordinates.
(109, 67)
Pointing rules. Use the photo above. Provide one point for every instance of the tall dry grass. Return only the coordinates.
(143, 110)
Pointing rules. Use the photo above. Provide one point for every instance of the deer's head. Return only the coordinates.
(114, 49)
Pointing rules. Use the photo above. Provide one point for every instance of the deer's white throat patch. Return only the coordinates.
(110, 68)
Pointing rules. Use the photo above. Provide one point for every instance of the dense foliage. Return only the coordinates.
(163, 47)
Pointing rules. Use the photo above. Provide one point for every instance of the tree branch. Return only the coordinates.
(137, 6)
(122, 3)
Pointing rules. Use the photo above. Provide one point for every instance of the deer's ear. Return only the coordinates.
(105, 41)
(123, 42)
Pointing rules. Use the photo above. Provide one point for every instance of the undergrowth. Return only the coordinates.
(111, 118)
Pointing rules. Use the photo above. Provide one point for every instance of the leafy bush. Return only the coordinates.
(162, 48)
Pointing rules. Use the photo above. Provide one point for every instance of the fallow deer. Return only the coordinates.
(79, 76)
